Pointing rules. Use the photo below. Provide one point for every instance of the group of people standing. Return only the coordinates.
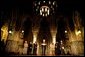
(57, 49)
(30, 48)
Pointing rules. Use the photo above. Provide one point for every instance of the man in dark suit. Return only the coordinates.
(29, 48)
(35, 48)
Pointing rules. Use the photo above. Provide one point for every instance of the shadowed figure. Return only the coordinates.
(35, 48)
(29, 52)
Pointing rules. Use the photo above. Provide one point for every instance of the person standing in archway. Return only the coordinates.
(30, 48)
(25, 48)
(35, 48)
(43, 47)
(52, 49)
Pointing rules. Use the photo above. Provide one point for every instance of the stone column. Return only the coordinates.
(53, 32)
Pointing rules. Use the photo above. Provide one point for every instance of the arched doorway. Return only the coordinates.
(44, 33)
(27, 25)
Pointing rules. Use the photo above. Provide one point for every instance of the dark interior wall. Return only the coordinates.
(28, 30)
(44, 31)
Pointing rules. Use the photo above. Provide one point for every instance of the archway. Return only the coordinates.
(27, 25)
(44, 33)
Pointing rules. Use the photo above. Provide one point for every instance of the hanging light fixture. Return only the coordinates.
(44, 8)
